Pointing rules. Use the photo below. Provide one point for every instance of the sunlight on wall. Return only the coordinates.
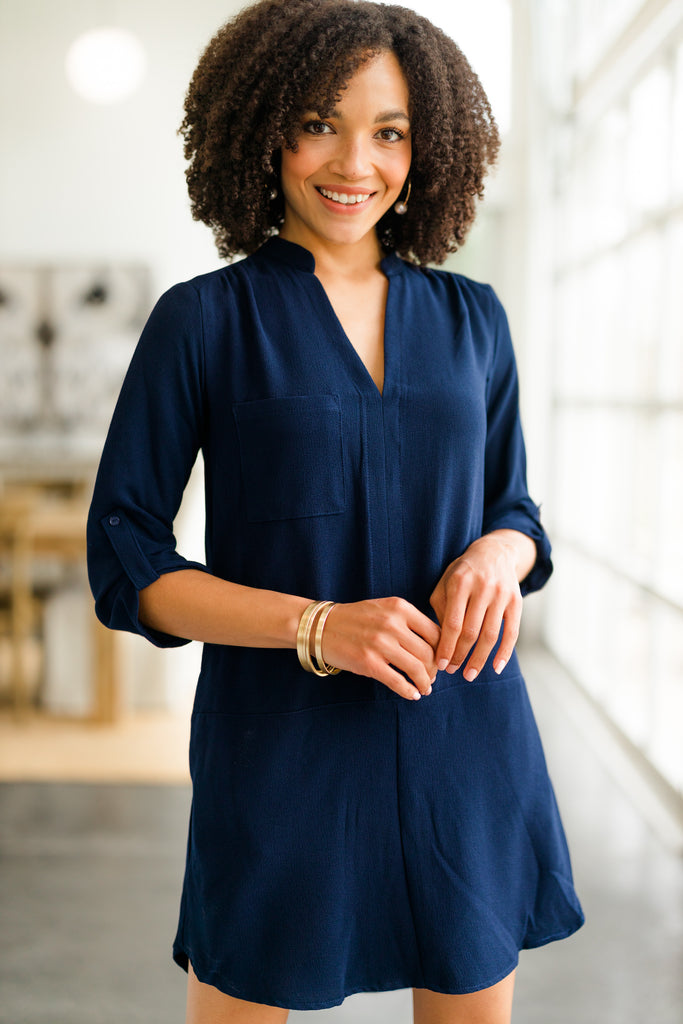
(483, 33)
(616, 605)
(106, 65)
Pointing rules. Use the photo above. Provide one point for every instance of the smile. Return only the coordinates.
(345, 198)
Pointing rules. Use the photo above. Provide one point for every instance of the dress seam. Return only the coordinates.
(372, 701)
(401, 518)
(365, 456)
(387, 517)
(403, 858)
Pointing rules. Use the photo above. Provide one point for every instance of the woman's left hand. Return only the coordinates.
(477, 594)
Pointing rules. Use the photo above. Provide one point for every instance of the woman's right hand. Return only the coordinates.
(377, 637)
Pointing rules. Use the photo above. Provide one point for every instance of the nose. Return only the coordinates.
(352, 158)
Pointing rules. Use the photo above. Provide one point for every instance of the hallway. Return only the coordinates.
(90, 880)
(581, 236)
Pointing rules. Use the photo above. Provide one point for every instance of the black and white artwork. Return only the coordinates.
(67, 333)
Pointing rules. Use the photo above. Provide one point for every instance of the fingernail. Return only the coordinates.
(451, 669)
(417, 695)
(499, 666)
(470, 675)
(442, 664)
(427, 692)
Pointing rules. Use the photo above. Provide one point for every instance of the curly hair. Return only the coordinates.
(277, 58)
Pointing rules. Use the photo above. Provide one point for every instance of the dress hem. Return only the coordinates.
(209, 977)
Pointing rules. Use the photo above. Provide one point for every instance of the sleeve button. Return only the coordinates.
(114, 520)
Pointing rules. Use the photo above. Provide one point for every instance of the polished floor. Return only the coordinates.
(90, 878)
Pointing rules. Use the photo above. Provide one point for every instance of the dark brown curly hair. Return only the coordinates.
(276, 59)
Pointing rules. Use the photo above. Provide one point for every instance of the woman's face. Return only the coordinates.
(349, 168)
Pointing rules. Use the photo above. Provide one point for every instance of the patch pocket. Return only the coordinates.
(291, 456)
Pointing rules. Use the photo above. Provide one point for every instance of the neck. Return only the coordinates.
(356, 259)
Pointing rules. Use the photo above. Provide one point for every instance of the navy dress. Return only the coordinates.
(342, 838)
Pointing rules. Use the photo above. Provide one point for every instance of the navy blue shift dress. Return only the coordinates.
(342, 838)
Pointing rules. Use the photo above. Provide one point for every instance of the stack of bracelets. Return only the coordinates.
(316, 610)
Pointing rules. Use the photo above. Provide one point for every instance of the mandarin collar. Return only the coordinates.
(295, 255)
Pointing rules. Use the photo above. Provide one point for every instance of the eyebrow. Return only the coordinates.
(392, 115)
(385, 115)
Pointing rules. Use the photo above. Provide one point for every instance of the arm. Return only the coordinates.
(371, 638)
(152, 443)
(482, 589)
(197, 606)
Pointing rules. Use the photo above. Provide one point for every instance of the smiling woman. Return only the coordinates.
(243, 114)
(371, 808)
(348, 170)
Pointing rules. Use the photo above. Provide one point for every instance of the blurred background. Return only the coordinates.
(581, 233)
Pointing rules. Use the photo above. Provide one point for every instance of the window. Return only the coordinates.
(615, 609)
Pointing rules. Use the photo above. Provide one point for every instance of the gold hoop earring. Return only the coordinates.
(401, 207)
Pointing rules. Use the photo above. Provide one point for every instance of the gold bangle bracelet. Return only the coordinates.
(310, 622)
(303, 638)
(322, 664)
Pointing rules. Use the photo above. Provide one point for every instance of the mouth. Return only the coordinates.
(346, 201)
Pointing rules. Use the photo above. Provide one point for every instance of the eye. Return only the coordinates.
(391, 134)
(317, 128)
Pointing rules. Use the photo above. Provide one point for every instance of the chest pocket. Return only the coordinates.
(291, 456)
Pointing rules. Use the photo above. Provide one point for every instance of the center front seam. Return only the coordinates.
(403, 853)
(365, 476)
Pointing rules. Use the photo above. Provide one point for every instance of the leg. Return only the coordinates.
(490, 1006)
(206, 1005)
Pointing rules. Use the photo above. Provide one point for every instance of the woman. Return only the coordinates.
(374, 813)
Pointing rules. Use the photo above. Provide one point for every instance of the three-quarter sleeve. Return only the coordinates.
(507, 504)
(152, 444)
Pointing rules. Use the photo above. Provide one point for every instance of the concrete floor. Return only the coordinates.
(90, 881)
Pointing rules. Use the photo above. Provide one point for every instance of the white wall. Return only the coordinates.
(79, 180)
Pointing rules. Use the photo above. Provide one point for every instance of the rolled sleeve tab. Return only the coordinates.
(133, 560)
(140, 559)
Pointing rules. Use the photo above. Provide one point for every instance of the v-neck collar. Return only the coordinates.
(295, 255)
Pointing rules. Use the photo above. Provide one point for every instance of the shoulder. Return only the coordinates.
(475, 294)
(456, 295)
(207, 285)
(213, 281)
(202, 299)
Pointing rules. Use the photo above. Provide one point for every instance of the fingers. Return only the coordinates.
(415, 658)
(385, 673)
(478, 631)
(472, 604)
(386, 639)
(404, 648)
(423, 626)
(488, 637)
(464, 604)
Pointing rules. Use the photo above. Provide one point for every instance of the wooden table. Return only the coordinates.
(34, 524)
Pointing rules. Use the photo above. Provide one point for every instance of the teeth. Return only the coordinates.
(344, 198)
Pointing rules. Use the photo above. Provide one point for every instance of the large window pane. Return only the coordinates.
(615, 607)
(648, 147)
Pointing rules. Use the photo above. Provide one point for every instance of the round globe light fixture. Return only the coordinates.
(106, 65)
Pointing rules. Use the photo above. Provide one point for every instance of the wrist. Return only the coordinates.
(296, 609)
(521, 548)
(309, 638)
